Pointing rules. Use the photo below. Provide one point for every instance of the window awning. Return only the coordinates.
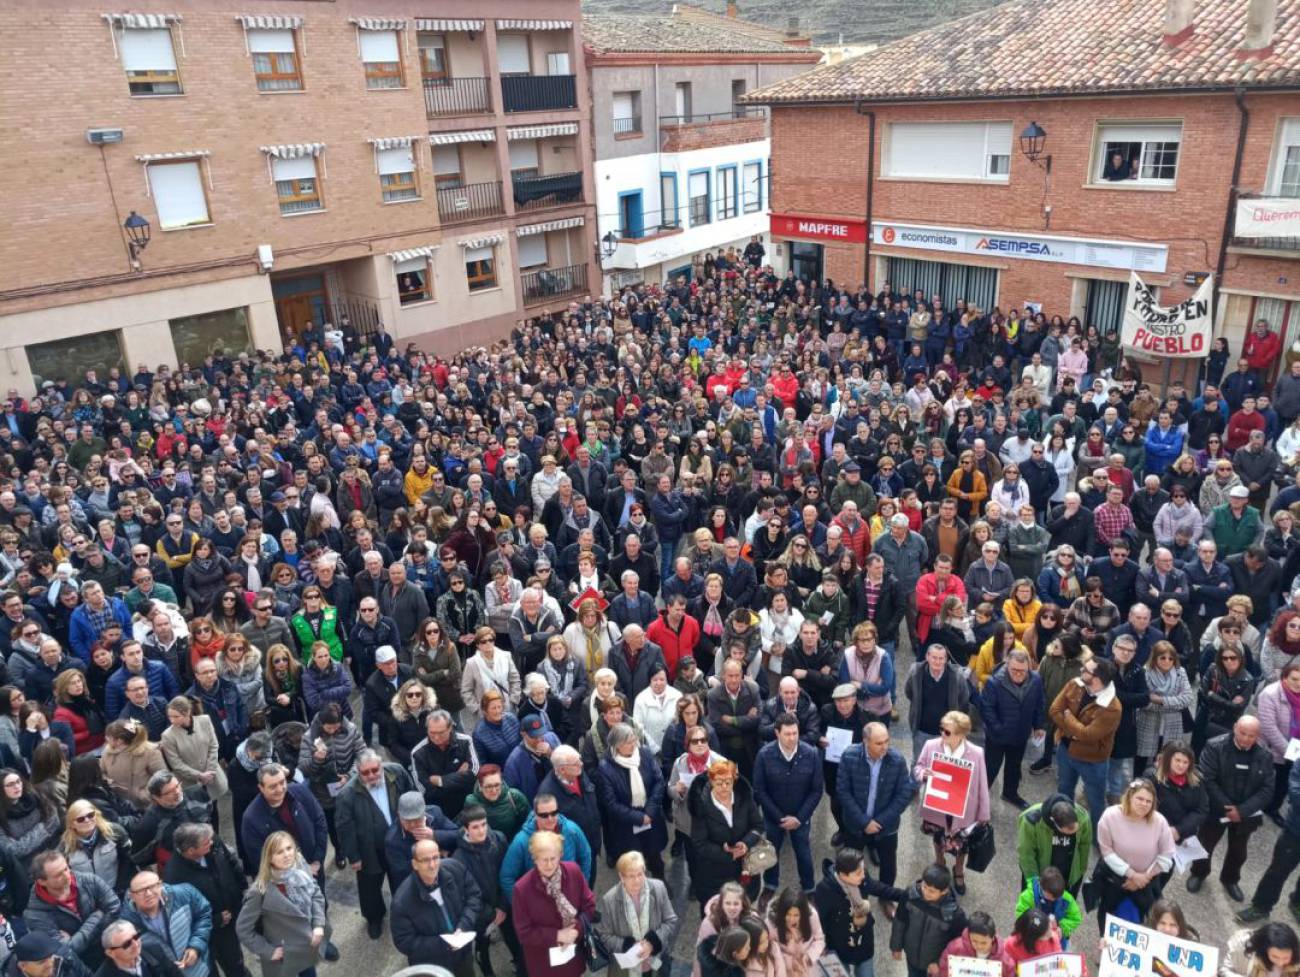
(268, 23)
(541, 132)
(142, 21)
(465, 135)
(399, 256)
(393, 142)
(294, 150)
(534, 25)
(486, 241)
(184, 154)
(558, 225)
(448, 25)
(379, 23)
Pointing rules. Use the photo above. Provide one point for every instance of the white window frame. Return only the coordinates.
(410, 266)
(399, 165)
(1288, 140)
(143, 56)
(990, 164)
(1152, 139)
(164, 179)
(558, 59)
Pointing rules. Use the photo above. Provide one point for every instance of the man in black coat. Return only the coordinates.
(173, 805)
(363, 811)
(378, 691)
(202, 860)
(439, 898)
(575, 796)
(41, 955)
(739, 581)
(127, 955)
(443, 764)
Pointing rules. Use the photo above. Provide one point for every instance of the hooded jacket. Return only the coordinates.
(1034, 833)
(923, 930)
(519, 861)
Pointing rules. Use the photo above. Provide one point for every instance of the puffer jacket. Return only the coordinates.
(22, 837)
(331, 685)
(107, 856)
(342, 748)
(188, 926)
(246, 678)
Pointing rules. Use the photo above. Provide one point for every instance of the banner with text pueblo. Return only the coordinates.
(1129, 949)
(949, 785)
(1177, 331)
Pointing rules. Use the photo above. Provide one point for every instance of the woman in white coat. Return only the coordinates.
(655, 708)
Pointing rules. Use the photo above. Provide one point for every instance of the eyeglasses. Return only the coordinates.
(85, 818)
(697, 741)
(146, 888)
(127, 943)
(545, 814)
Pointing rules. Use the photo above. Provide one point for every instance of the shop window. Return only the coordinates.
(197, 336)
(71, 358)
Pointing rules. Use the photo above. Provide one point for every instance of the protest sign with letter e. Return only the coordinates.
(948, 787)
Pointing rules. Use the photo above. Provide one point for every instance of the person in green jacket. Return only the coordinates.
(507, 808)
(1057, 832)
(1235, 525)
(1048, 893)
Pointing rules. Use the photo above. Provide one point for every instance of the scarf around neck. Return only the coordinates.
(632, 764)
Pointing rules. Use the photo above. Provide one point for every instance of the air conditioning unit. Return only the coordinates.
(103, 137)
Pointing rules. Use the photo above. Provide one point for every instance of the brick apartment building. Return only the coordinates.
(906, 164)
(297, 161)
(680, 164)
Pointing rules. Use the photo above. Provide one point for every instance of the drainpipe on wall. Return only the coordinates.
(871, 168)
(1229, 213)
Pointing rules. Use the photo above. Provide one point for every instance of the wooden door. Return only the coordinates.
(295, 315)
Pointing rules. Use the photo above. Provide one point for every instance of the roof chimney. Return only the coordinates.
(733, 9)
(1179, 23)
(792, 26)
(1261, 22)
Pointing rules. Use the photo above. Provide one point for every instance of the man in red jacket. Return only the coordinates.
(676, 632)
(1263, 346)
(933, 589)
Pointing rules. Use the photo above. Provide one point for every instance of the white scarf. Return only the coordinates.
(632, 764)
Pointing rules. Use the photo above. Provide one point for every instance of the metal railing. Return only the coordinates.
(471, 201)
(456, 96)
(537, 93)
(1264, 243)
(537, 192)
(551, 282)
(695, 118)
(624, 126)
(362, 314)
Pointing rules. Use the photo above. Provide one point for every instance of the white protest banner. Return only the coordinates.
(1131, 949)
(973, 967)
(1053, 965)
(1179, 331)
(1268, 217)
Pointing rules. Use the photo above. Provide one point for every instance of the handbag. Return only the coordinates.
(593, 946)
(980, 848)
(760, 857)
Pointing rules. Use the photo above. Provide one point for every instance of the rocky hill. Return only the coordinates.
(859, 21)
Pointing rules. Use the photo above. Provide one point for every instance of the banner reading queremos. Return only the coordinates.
(1179, 330)
(1267, 217)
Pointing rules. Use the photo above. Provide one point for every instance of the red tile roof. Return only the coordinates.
(1056, 47)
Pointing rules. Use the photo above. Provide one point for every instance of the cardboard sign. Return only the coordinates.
(949, 785)
(1053, 965)
(973, 967)
(1131, 949)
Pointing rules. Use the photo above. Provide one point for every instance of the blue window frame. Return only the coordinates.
(670, 208)
(728, 192)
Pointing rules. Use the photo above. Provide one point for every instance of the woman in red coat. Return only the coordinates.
(74, 706)
(552, 907)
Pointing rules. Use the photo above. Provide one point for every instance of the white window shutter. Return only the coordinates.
(270, 42)
(512, 54)
(622, 105)
(699, 184)
(1141, 133)
(379, 47)
(523, 154)
(753, 185)
(478, 254)
(411, 265)
(177, 190)
(147, 50)
(446, 159)
(301, 168)
(396, 161)
(532, 250)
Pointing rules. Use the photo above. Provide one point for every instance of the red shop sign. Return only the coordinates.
(819, 228)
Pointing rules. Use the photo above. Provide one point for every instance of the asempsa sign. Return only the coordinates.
(1181, 330)
(819, 228)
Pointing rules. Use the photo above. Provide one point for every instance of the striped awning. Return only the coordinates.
(379, 23)
(534, 25)
(558, 225)
(393, 142)
(397, 257)
(448, 25)
(295, 150)
(256, 22)
(142, 21)
(465, 135)
(185, 154)
(486, 241)
(541, 132)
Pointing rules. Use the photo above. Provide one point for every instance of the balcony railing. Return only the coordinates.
(538, 192)
(456, 96)
(553, 282)
(623, 127)
(472, 201)
(696, 118)
(538, 93)
(1266, 243)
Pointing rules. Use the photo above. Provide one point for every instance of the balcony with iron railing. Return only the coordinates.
(1290, 245)
(706, 130)
(470, 202)
(552, 190)
(551, 283)
(538, 93)
(456, 96)
(627, 128)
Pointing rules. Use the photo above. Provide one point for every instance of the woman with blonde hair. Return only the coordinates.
(129, 760)
(1137, 847)
(241, 664)
(551, 905)
(637, 913)
(96, 846)
(282, 921)
(951, 834)
(590, 637)
(411, 703)
(1020, 610)
(282, 687)
(489, 669)
(968, 486)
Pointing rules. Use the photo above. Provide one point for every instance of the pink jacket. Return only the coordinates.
(977, 796)
(961, 947)
(1274, 719)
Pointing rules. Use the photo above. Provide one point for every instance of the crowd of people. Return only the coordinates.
(631, 588)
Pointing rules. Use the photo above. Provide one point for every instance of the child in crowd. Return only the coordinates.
(926, 921)
(1048, 893)
(980, 940)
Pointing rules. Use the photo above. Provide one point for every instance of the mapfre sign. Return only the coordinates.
(819, 228)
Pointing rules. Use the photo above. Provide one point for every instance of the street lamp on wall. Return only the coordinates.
(609, 244)
(137, 235)
(1033, 140)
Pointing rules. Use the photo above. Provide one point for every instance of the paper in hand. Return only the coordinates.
(560, 955)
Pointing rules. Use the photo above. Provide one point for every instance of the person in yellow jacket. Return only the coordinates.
(1021, 609)
(993, 651)
(419, 479)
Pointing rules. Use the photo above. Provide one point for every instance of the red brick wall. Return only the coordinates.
(707, 135)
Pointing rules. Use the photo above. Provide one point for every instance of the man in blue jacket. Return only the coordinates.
(788, 785)
(300, 809)
(874, 786)
(92, 617)
(1012, 707)
(546, 816)
(162, 683)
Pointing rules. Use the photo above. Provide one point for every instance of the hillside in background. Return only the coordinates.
(860, 21)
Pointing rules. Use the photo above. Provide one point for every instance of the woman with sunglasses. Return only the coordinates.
(96, 846)
(1223, 694)
(1163, 719)
(437, 664)
(951, 834)
(206, 641)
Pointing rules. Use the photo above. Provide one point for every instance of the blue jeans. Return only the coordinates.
(1118, 776)
(800, 841)
(864, 968)
(1068, 773)
(667, 555)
